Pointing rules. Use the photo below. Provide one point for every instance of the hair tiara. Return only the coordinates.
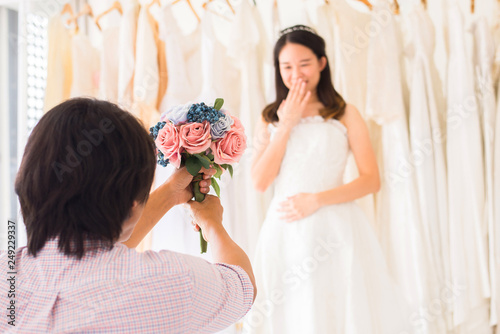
(298, 27)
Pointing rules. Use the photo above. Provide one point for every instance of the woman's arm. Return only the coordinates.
(268, 154)
(176, 190)
(304, 204)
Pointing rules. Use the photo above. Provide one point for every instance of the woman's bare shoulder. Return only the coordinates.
(351, 114)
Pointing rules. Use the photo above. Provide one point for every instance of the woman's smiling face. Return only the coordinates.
(297, 61)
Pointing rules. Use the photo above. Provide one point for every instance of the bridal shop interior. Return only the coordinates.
(423, 74)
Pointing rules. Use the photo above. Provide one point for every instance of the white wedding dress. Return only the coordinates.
(401, 229)
(484, 56)
(349, 77)
(496, 195)
(174, 230)
(427, 159)
(324, 273)
(249, 53)
(464, 150)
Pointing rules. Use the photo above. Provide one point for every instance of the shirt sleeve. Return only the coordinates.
(221, 295)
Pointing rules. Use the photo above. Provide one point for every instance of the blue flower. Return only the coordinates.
(177, 114)
(200, 112)
(153, 131)
(219, 128)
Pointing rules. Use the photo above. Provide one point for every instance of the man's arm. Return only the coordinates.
(208, 216)
(176, 190)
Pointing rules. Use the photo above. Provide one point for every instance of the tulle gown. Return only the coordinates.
(484, 54)
(326, 272)
(401, 230)
(349, 77)
(250, 53)
(468, 249)
(427, 139)
(174, 231)
(496, 195)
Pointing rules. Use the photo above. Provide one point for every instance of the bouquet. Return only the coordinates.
(197, 135)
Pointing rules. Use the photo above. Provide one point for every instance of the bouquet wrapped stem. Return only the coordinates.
(199, 197)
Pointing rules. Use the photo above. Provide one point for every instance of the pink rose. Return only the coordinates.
(195, 137)
(229, 149)
(167, 142)
(237, 124)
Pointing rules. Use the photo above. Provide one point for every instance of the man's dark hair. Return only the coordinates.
(84, 165)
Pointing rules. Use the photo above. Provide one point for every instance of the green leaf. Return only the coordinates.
(219, 171)
(205, 161)
(218, 103)
(229, 168)
(210, 156)
(216, 187)
(193, 165)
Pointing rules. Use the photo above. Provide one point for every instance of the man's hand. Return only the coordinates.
(179, 184)
(207, 215)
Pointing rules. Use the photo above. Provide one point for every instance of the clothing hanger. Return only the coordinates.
(158, 2)
(367, 3)
(472, 6)
(190, 6)
(67, 9)
(116, 5)
(227, 1)
(87, 10)
(424, 2)
(207, 8)
(396, 7)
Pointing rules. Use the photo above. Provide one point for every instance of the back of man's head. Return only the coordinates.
(84, 165)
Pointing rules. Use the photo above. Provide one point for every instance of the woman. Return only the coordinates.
(318, 265)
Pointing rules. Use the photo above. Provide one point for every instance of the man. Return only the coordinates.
(83, 185)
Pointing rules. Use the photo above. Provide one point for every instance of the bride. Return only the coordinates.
(318, 265)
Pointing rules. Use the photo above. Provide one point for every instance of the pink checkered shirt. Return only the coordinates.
(122, 291)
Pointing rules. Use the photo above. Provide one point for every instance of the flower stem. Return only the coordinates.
(199, 197)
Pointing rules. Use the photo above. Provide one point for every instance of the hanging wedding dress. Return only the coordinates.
(249, 47)
(182, 52)
(324, 273)
(351, 43)
(484, 55)
(126, 55)
(289, 18)
(427, 160)
(146, 74)
(174, 230)
(221, 79)
(468, 251)
(59, 64)
(400, 225)
(219, 73)
(109, 66)
(496, 189)
(86, 66)
(161, 57)
(321, 14)
(268, 13)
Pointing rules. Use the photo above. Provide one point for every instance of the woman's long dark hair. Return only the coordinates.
(331, 99)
